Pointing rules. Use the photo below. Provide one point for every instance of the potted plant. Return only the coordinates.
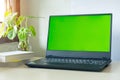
(15, 25)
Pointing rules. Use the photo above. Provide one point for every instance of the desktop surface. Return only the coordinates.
(24, 73)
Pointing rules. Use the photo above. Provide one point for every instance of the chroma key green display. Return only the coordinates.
(80, 33)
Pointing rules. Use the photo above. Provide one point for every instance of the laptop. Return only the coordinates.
(77, 42)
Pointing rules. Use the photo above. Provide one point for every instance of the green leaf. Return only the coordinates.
(23, 34)
(10, 19)
(2, 30)
(7, 13)
(20, 20)
(32, 30)
(11, 34)
(15, 28)
(7, 31)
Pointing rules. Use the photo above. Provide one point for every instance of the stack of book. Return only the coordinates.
(15, 56)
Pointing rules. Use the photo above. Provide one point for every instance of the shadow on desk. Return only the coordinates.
(113, 67)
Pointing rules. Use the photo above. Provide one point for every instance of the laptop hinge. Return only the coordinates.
(103, 58)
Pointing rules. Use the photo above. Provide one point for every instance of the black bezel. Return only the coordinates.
(80, 54)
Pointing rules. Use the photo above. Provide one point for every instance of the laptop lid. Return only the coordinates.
(84, 36)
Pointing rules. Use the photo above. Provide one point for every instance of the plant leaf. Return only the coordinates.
(7, 31)
(22, 34)
(11, 34)
(7, 13)
(20, 20)
(11, 19)
(15, 28)
(2, 29)
(32, 30)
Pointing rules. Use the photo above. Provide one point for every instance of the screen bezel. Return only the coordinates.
(81, 54)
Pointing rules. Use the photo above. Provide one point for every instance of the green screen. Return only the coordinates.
(80, 33)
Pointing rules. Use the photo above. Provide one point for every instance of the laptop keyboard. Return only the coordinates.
(70, 63)
(75, 61)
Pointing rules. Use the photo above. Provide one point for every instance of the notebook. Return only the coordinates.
(77, 42)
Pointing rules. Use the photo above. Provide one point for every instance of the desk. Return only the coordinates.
(112, 72)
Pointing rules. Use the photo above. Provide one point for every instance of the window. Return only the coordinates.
(4, 4)
(2, 9)
(7, 4)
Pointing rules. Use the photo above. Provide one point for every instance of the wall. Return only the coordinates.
(44, 8)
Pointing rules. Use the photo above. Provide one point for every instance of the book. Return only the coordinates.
(15, 56)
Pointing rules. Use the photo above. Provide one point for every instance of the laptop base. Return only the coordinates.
(81, 67)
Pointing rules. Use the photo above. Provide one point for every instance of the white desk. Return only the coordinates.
(112, 72)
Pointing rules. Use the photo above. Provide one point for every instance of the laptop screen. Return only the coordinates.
(80, 33)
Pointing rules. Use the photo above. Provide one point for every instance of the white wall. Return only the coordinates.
(44, 8)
